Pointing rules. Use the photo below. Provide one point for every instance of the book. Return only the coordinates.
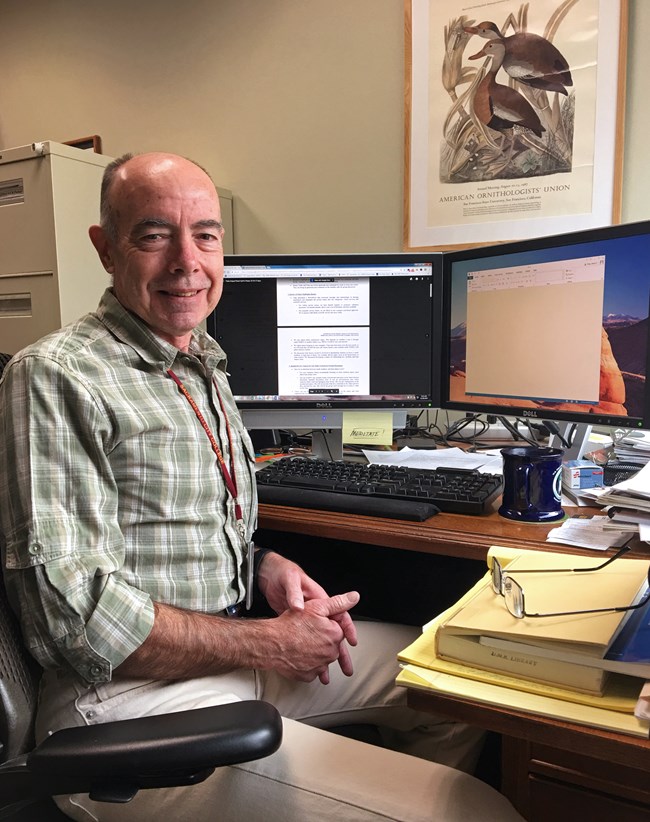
(621, 693)
(628, 653)
(501, 694)
(469, 650)
(484, 613)
(630, 650)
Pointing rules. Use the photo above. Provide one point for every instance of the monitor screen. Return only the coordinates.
(554, 328)
(331, 331)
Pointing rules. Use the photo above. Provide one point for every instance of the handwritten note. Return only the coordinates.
(373, 427)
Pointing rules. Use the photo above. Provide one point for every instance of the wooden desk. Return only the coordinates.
(452, 535)
(551, 770)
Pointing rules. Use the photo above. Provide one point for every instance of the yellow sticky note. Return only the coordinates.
(368, 427)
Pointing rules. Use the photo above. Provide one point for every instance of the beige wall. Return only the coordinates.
(636, 178)
(295, 105)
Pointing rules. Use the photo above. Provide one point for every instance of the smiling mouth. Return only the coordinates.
(180, 293)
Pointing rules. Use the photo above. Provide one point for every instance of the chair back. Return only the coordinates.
(18, 686)
(4, 359)
(18, 676)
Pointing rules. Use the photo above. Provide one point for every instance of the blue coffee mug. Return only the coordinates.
(532, 480)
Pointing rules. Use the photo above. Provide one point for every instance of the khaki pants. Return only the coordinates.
(314, 775)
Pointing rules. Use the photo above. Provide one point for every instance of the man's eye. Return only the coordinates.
(152, 238)
(207, 237)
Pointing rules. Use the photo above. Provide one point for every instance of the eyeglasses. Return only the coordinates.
(498, 573)
(513, 594)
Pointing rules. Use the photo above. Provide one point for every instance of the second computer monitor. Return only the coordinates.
(552, 328)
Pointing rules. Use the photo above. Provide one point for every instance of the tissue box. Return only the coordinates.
(581, 474)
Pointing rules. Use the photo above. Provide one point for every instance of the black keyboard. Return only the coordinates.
(378, 490)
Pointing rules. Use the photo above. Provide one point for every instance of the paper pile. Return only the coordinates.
(597, 532)
(633, 447)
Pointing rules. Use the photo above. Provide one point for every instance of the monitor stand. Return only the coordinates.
(579, 440)
(327, 443)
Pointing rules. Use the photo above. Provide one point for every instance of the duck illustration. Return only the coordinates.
(529, 58)
(501, 107)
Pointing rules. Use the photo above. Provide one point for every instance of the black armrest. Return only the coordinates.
(112, 761)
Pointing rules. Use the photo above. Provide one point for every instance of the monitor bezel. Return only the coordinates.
(353, 258)
(520, 246)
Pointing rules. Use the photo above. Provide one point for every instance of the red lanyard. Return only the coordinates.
(229, 477)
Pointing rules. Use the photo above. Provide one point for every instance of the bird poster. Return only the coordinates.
(512, 119)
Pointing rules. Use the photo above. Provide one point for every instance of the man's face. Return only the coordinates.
(167, 258)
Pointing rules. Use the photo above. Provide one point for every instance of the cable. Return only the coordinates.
(516, 433)
(554, 429)
(531, 429)
(453, 432)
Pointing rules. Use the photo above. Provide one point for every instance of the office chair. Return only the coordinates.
(111, 762)
(4, 359)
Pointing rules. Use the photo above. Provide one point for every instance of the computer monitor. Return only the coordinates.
(553, 328)
(311, 336)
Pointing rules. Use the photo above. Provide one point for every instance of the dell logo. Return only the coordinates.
(324, 405)
(529, 414)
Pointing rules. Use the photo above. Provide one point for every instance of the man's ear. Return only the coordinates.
(102, 246)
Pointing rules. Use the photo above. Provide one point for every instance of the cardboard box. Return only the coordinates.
(581, 474)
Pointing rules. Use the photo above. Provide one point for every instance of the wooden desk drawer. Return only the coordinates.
(562, 802)
(546, 783)
(589, 773)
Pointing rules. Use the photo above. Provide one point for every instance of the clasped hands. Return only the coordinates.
(313, 628)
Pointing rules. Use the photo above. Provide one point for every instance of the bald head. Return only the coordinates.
(129, 168)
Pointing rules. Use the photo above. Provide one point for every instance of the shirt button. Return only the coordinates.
(95, 670)
(35, 548)
(90, 714)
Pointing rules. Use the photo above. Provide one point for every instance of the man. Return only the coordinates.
(128, 505)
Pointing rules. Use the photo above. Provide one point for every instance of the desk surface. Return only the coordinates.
(454, 535)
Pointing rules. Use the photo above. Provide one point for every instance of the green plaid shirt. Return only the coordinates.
(111, 496)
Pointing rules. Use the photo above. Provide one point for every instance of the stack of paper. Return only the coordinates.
(627, 518)
(630, 493)
(634, 447)
(413, 676)
(597, 532)
(553, 666)
(628, 502)
(440, 458)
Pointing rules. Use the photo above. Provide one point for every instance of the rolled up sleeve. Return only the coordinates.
(63, 549)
